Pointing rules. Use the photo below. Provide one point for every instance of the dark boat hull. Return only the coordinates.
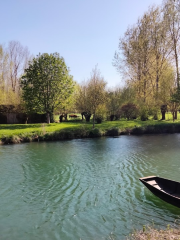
(165, 189)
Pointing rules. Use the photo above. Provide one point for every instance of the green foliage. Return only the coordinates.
(101, 113)
(129, 111)
(114, 101)
(16, 133)
(175, 97)
(144, 113)
(115, 131)
(8, 97)
(46, 84)
(81, 99)
(148, 56)
(91, 96)
(96, 132)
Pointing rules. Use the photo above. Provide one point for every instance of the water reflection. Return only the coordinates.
(86, 189)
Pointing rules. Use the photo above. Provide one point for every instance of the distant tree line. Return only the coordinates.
(14, 59)
(147, 59)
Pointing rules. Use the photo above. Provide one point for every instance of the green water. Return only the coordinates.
(85, 189)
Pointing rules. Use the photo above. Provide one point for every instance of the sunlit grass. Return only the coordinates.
(18, 129)
(75, 128)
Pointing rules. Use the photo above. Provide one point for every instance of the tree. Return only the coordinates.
(3, 68)
(172, 23)
(113, 103)
(129, 111)
(69, 105)
(7, 95)
(82, 102)
(46, 84)
(145, 56)
(118, 97)
(18, 57)
(96, 93)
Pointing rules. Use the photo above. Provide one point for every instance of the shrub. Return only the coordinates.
(129, 111)
(81, 132)
(144, 114)
(11, 139)
(98, 120)
(137, 131)
(113, 132)
(64, 134)
(95, 133)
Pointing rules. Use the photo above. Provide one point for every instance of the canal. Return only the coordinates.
(85, 189)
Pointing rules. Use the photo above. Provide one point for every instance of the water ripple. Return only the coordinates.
(84, 189)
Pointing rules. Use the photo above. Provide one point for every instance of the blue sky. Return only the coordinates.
(84, 32)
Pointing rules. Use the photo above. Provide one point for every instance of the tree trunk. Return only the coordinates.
(163, 115)
(61, 118)
(163, 111)
(93, 120)
(175, 115)
(65, 116)
(48, 117)
(155, 116)
(52, 118)
(176, 59)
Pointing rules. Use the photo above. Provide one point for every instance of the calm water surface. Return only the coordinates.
(85, 189)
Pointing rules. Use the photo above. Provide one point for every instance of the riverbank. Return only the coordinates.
(18, 133)
(149, 233)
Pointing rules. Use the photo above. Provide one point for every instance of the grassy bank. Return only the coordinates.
(16, 133)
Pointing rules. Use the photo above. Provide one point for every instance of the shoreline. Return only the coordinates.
(82, 132)
(150, 232)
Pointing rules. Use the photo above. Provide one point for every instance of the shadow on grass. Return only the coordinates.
(18, 126)
(67, 125)
(138, 126)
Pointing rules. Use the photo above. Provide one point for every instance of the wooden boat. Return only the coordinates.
(167, 190)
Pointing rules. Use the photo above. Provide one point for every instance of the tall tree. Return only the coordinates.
(171, 10)
(145, 55)
(18, 61)
(134, 54)
(7, 95)
(3, 67)
(46, 84)
(96, 93)
(81, 100)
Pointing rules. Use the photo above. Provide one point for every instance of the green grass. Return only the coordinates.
(76, 129)
(17, 129)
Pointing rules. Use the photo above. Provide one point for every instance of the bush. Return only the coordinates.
(113, 132)
(11, 139)
(95, 133)
(137, 130)
(64, 134)
(144, 114)
(99, 120)
(129, 111)
(80, 133)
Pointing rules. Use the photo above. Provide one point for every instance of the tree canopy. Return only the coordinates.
(46, 84)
